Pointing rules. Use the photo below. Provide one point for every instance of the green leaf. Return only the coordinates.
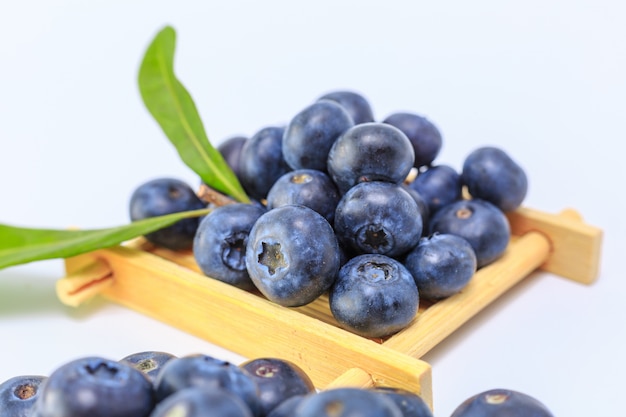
(20, 245)
(174, 110)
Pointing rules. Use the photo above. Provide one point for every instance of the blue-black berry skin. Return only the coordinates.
(262, 162)
(288, 407)
(95, 387)
(374, 296)
(306, 187)
(220, 243)
(423, 134)
(439, 185)
(292, 255)
(481, 223)
(311, 133)
(230, 150)
(422, 205)
(202, 402)
(148, 362)
(370, 152)
(378, 217)
(206, 372)
(491, 174)
(165, 196)
(347, 402)
(502, 402)
(441, 264)
(357, 106)
(411, 404)
(277, 380)
(19, 394)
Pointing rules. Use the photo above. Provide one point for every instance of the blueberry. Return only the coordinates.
(501, 402)
(355, 104)
(277, 380)
(490, 174)
(262, 162)
(206, 372)
(288, 407)
(95, 387)
(165, 196)
(347, 402)
(306, 187)
(292, 255)
(202, 402)
(423, 134)
(439, 185)
(411, 404)
(230, 150)
(441, 264)
(374, 296)
(378, 217)
(219, 247)
(481, 223)
(311, 133)
(370, 152)
(148, 362)
(19, 394)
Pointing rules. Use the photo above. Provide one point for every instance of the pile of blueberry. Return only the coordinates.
(348, 206)
(159, 384)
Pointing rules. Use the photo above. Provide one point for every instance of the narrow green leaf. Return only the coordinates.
(173, 108)
(20, 245)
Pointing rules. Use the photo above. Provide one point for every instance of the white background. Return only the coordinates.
(545, 80)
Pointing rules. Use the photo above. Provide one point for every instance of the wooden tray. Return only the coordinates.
(169, 286)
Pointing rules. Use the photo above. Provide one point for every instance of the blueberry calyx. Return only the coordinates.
(375, 271)
(233, 251)
(272, 257)
(375, 237)
(25, 391)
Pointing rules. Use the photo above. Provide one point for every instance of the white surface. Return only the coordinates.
(543, 80)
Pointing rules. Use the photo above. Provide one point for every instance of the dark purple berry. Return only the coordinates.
(490, 174)
(277, 380)
(19, 394)
(165, 196)
(423, 134)
(501, 403)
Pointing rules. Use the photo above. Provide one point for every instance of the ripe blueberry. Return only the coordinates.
(378, 217)
(411, 404)
(202, 402)
(95, 387)
(19, 394)
(165, 196)
(261, 161)
(206, 372)
(219, 247)
(149, 362)
(230, 150)
(277, 380)
(501, 402)
(492, 175)
(441, 264)
(423, 134)
(438, 185)
(306, 187)
(370, 152)
(481, 223)
(311, 133)
(347, 402)
(374, 296)
(292, 255)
